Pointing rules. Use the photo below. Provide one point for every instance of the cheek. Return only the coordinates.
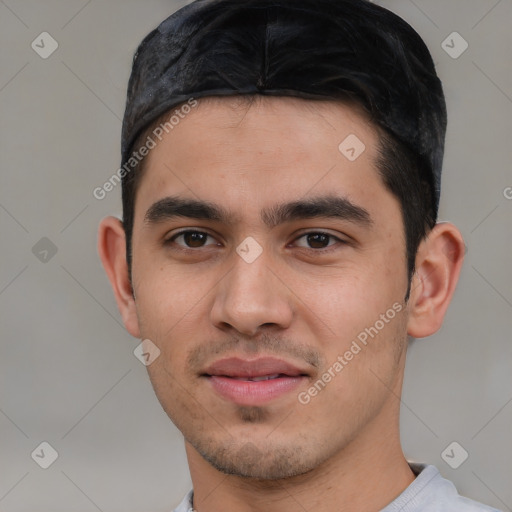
(358, 322)
(347, 301)
(360, 369)
(169, 304)
(175, 394)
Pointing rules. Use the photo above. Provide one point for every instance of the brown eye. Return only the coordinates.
(191, 239)
(317, 240)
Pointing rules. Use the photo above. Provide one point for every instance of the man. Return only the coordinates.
(281, 180)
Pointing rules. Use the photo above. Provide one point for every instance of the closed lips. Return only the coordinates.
(253, 382)
(263, 368)
(257, 379)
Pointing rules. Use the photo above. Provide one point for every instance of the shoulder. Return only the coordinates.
(186, 503)
(430, 492)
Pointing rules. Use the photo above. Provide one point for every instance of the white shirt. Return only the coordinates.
(429, 492)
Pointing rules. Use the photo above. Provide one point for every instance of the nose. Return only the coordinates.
(251, 297)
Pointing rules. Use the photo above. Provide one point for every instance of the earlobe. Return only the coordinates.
(112, 251)
(438, 263)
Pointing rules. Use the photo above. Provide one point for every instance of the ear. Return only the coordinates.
(112, 251)
(438, 263)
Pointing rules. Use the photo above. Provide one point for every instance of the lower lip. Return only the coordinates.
(245, 392)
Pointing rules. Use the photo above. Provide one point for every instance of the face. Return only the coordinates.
(270, 270)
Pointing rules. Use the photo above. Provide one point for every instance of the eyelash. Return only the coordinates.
(326, 249)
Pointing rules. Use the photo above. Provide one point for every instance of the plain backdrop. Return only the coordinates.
(68, 375)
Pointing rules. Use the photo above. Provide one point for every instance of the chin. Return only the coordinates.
(247, 460)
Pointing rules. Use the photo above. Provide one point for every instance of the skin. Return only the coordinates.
(302, 302)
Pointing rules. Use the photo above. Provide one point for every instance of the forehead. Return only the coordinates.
(250, 150)
(257, 113)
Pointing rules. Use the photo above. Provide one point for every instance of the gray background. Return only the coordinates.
(68, 375)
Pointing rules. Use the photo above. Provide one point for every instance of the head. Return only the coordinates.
(285, 220)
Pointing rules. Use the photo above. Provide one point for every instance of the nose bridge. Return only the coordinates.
(250, 277)
(248, 283)
(250, 294)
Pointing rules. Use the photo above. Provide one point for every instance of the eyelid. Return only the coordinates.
(171, 239)
(321, 232)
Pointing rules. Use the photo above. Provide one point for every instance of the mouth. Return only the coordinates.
(259, 379)
(253, 382)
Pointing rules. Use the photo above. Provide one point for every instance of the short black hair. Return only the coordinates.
(349, 50)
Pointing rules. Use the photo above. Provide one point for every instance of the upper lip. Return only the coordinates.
(260, 367)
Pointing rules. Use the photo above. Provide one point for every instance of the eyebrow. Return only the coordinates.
(329, 206)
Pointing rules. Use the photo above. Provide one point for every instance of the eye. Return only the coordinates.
(191, 239)
(317, 240)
